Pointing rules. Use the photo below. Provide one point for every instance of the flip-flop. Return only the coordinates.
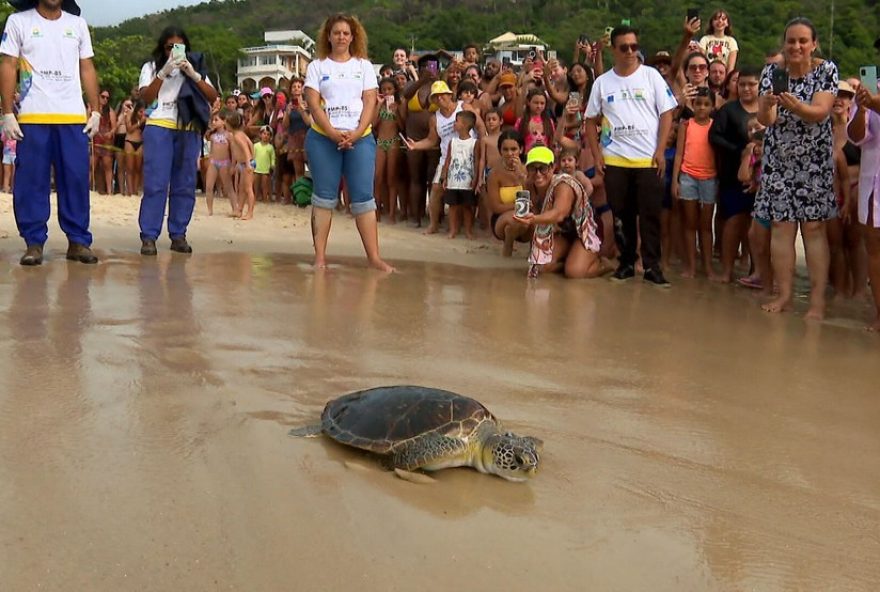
(751, 283)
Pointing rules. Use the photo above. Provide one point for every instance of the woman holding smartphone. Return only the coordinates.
(797, 184)
(170, 152)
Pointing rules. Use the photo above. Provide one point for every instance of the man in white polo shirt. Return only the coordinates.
(48, 45)
(633, 105)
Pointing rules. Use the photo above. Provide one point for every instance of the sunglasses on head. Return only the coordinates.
(628, 47)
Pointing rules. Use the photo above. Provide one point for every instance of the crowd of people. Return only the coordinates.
(655, 162)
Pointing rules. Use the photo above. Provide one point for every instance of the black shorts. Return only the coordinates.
(459, 197)
(733, 201)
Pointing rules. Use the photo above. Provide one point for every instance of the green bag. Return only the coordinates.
(302, 192)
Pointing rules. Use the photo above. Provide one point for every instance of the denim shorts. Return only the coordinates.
(329, 165)
(702, 190)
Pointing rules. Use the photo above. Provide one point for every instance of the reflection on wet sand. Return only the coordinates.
(691, 442)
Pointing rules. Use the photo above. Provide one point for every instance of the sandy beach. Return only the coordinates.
(692, 442)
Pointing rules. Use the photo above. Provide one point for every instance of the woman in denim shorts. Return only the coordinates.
(341, 92)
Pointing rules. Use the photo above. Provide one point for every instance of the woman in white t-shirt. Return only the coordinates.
(718, 42)
(341, 91)
(171, 154)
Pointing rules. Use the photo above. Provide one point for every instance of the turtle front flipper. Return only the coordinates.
(312, 431)
(431, 452)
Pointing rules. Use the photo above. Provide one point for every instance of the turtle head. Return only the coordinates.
(510, 456)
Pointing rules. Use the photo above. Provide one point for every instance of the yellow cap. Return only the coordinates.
(440, 88)
(539, 155)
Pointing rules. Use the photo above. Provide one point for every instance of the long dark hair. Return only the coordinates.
(159, 57)
(527, 115)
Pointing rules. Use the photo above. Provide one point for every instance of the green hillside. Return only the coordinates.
(220, 27)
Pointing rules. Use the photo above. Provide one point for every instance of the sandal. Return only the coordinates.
(751, 283)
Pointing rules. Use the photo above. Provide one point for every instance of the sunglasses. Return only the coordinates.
(628, 47)
(698, 67)
(105, 97)
(542, 169)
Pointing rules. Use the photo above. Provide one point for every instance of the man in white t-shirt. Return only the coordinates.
(633, 106)
(49, 45)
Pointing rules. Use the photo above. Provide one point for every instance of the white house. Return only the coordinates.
(286, 55)
(515, 47)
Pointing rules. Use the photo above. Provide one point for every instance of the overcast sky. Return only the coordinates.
(113, 12)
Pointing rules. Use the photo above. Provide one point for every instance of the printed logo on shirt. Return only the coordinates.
(69, 34)
(609, 99)
(35, 32)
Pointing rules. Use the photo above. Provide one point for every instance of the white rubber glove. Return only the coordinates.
(11, 128)
(188, 69)
(93, 125)
(167, 69)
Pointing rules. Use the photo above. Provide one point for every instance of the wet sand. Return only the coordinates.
(692, 442)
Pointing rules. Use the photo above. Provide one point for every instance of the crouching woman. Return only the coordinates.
(565, 238)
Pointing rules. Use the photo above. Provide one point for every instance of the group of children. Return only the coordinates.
(244, 168)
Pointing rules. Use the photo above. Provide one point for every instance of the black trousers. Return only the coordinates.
(636, 199)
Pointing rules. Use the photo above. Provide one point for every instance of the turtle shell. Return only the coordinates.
(382, 418)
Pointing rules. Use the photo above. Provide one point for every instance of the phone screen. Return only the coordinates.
(574, 98)
(693, 13)
(779, 81)
(178, 52)
(868, 77)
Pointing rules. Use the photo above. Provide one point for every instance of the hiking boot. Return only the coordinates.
(655, 276)
(180, 245)
(148, 247)
(624, 272)
(81, 253)
(33, 255)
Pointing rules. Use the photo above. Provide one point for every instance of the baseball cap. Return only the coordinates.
(507, 79)
(539, 155)
(266, 91)
(440, 88)
(660, 57)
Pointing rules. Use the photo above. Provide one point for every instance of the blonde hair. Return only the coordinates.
(358, 48)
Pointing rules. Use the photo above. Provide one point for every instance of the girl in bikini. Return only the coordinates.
(134, 152)
(504, 182)
(219, 165)
(388, 125)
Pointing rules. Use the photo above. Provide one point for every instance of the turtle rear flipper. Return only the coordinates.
(312, 431)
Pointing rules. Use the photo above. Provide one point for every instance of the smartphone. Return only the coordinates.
(523, 203)
(868, 77)
(693, 13)
(389, 101)
(433, 68)
(583, 39)
(574, 98)
(533, 53)
(178, 52)
(779, 81)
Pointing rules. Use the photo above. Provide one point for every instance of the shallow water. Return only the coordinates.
(692, 442)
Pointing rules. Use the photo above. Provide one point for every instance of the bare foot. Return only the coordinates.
(210, 212)
(875, 326)
(688, 275)
(247, 217)
(320, 264)
(430, 230)
(816, 312)
(451, 235)
(381, 266)
(469, 235)
(719, 279)
(777, 305)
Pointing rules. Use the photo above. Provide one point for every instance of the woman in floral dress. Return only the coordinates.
(797, 185)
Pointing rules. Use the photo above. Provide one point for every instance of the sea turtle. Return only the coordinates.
(430, 429)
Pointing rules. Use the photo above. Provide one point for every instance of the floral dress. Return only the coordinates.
(579, 225)
(797, 182)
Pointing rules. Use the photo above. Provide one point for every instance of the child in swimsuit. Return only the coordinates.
(490, 158)
(242, 150)
(220, 159)
(134, 153)
(388, 125)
